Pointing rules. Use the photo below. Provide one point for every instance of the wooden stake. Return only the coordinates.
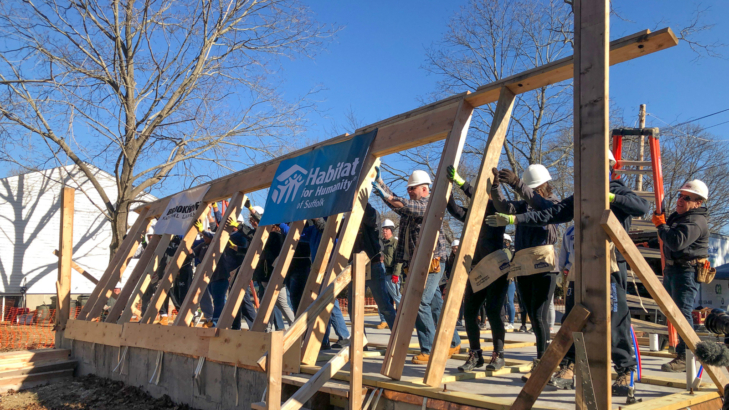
(591, 128)
(469, 238)
(65, 244)
(639, 265)
(208, 264)
(551, 359)
(278, 275)
(116, 268)
(402, 331)
(243, 278)
(274, 371)
(355, 357)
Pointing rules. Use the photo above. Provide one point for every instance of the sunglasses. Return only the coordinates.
(413, 188)
(686, 198)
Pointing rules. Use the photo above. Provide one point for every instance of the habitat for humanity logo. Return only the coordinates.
(291, 180)
(289, 183)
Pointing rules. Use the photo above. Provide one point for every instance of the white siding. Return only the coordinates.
(30, 223)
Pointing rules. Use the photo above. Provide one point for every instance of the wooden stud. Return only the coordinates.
(193, 341)
(243, 278)
(65, 244)
(357, 338)
(591, 129)
(115, 270)
(342, 252)
(93, 332)
(274, 370)
(402, 330)
(551, 359)
(155, 250)
(208, 264)
(275, 282)
(659, 294)
(469, 238)
(172, 269)
(80, 270)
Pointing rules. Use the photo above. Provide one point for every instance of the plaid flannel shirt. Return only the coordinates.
(411, 219)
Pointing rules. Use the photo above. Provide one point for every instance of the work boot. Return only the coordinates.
(676, 365)
(497, 361)
(340, 344)
(621, 387)
(564, 378)
(382, 325)
(454, 350)
(207, 323)
(422, 358)
(526, 377)
(475, 360)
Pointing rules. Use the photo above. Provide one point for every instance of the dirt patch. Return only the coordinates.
(86, 393)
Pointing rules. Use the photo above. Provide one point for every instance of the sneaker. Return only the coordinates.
(526, 377)
(497, 361)
(454, 350)
(676, 365)
(326, 346)
(523, 329)
(509, 326)
(475, 360)
(531, 330)
(483, 326)
(422, 358)
(382, 325)
(340, 344)
(621, 387)
(459, 323)
(564, 378)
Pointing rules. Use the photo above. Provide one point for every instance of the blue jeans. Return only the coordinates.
(680, 283)
(394, 290)
(378, 287)
(296, 284)
(206, 304)
(510, 310)
(336, 320)
(219, 292)
(429, 312)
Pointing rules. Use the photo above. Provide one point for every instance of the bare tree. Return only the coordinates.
(150, 89)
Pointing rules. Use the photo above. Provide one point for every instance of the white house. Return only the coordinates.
(30, 220)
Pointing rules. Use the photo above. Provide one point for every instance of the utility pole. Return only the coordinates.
(641, 121)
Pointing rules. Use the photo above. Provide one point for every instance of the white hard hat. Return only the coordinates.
(456, 243)
(388, 224)
(535, 175)
(507, 238)
(150, 230)
(258, 209)
(611, 157)
(419, 177)
(241, 217)
(696, 187)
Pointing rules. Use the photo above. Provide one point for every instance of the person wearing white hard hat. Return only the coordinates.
(625, 204)
(412, 211)
(685, 236)
(393, 270)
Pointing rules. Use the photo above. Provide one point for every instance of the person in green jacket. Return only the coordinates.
(389, 244)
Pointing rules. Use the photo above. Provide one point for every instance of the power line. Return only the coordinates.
(700, 118)
(716, 125)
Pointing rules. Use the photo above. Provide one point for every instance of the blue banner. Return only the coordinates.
(317, 184)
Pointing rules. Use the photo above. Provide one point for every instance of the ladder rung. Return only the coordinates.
(648, 196)
(634, 171)
(634, 163)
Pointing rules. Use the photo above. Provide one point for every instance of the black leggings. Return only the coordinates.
(494, 295)
(535, 290)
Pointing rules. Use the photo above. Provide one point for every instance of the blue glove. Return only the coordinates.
(377, 189)
(378, 177)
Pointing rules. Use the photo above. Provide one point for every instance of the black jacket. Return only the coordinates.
(626, 205)
(368, 235)
(489, 239)
(527, 236)
(686, 237)
(270, 253)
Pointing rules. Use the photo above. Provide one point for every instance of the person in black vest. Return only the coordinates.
(685, 236)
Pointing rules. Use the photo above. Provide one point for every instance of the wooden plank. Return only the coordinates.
(357, 336)
(326, 300)
(275, 282)
(171, 270)
(551, 359)
(333, 388)
(80, 270)
(243, 277)
(65, 244)
(208, 264)
(274, 370)
(174, 339)
(342, 252)
(155, 250)
(469, 238)
(402, 331)
(681, 401)
(591, 134)
(94, 332)
(659, 294)
(117, 265)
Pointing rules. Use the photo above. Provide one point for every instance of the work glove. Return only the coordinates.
(198, 225)
(658, 219)
(377, 189)
(453, 176)
(231, 223)
(378, 176)
(232, 245)
(215, 206)
(395, 279)
(508, 177)
(495, 182)
(499, 220)
(611, 197)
